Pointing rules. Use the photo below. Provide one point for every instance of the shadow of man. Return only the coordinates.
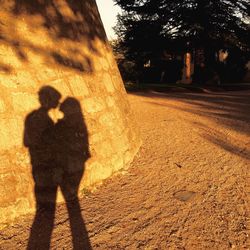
(58, 153)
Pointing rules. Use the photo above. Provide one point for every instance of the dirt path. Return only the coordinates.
(188, 187)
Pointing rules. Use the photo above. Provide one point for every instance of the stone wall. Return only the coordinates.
(61, 44)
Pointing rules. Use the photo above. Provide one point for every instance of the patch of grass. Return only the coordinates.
(85, 192)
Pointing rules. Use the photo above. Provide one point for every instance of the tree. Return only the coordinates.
(147, 27)
(138, 36)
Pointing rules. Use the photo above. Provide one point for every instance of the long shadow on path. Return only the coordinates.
(58, 153)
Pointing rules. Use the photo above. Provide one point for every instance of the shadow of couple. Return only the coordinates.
(58, 152)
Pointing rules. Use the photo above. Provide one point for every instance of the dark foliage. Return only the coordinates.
(146, 28)
(234, 69)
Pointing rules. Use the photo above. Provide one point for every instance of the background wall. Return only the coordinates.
(61, 44)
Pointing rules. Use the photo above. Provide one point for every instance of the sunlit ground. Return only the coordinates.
(188, 187)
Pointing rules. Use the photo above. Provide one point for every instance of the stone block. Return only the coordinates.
(98, 172)
(108, 83)
(9, 56)
(116, 78)
(128, 156)
(2, 106)
(61, 85)
(121, 144)
(116, 131)
(97, 64)
(23, 205)
(8, 194)
(24, 102)
(11, 133)
(93, 105)
(117, 163)
(110, 101)
(111, 59)
(24, 78)
(78, 86)
(45, 75)
(104, 149)
(96, 138)
(107, 119)
(5, 162)
(104, 63)
(9, 81)
(7, 215)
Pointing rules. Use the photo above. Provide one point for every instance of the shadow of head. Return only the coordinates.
(70, 107)
(49, 97)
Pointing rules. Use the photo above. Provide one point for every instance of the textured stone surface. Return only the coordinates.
(60, 44)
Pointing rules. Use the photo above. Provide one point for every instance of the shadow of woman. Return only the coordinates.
(58, 153)
(73, 151)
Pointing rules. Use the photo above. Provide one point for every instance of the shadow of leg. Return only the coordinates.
(79, 233)
(42, 227)
(69, 188)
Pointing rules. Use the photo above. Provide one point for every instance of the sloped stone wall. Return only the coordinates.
(61, 44)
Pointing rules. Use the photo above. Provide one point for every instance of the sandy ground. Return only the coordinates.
(188, 187)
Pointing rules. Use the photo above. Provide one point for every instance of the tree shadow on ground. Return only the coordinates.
(230, 110)
(58, 153)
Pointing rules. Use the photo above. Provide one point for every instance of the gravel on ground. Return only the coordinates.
(187, 188)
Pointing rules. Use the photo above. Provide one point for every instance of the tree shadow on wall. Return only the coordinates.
(58, 152)
(68, 24)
